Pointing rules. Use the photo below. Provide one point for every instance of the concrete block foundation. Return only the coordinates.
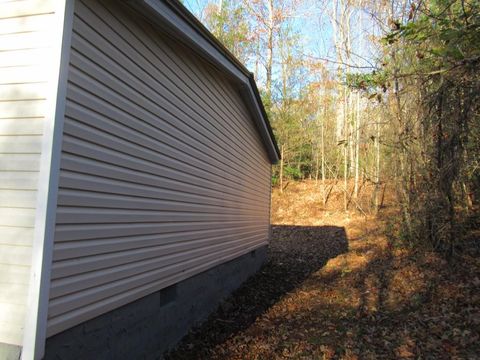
(146, 328)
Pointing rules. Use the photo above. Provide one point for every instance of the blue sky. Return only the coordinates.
(312, 22)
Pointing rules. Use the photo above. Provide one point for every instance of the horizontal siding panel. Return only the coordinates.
(104, 170)
(85, 199)
(12, 312)
(15, 255)
(13, 293)
(218, 146)
(69, 319)
(17, 217)
(105, 131)
(92, 186)
(14, 274)
(21, 145)
(14, 235)
(145, 47)
(11, 333)
(11, 323)
(19, 162)
(75, 300)
(25, 40)
(23, 91)
(26, 8)
(136, 67)
(143, 92)
(134, 164)
(213, 97)
(23, 74)
(25, 57)
(107, 275)
(86, 248)
(184, 73)
(26, 23)
(161, 110)
(103, 216)
(80, 265)
(174, 164)
(17, 198)
(22, 108)
(102, 231)
(21, 126)
(144, 128)
(25, 180)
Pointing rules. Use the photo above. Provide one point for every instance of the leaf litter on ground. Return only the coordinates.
(335, 286)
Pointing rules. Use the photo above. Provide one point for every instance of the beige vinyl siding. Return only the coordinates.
(25, 44)
(163, 172)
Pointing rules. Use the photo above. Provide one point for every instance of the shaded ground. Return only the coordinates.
(344, 291)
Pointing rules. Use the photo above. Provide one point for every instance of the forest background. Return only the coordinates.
(382, 93)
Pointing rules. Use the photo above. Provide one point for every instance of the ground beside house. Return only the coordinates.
(343, 292)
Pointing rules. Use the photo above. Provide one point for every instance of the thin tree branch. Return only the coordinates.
(340, 62)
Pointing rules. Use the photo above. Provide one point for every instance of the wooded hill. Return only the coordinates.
(384, 92)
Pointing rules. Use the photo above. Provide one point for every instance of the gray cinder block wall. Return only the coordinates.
(146, 328)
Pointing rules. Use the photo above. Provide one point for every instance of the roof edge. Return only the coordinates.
(184, 13)
(174, 18)
(253, 84)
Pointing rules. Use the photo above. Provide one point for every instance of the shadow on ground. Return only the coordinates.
(295, 253)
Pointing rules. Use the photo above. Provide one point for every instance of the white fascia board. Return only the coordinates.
(37, 304)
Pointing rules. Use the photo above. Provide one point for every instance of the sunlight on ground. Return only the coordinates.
(371, 278)
(336, 287)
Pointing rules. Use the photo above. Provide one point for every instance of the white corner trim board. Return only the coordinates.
(37, 304)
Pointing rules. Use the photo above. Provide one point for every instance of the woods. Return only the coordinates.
(383, 93)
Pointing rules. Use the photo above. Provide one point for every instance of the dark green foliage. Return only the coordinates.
(439, 149)
(293, 173)
(228, 22)
(371, 83)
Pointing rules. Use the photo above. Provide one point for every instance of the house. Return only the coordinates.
(135, 165)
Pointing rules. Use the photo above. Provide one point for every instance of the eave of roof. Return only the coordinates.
(175, 19)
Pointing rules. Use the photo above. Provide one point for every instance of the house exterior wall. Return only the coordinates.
(163, 172)
(148, 327)
(26, 42)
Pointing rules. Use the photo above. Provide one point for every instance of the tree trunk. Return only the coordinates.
(345, 151)
(377, 167)
(281, 169)
(357, 147)
(324, 192)
(269, 64)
